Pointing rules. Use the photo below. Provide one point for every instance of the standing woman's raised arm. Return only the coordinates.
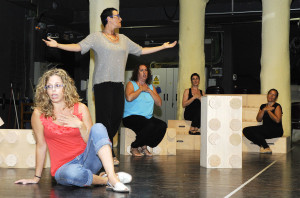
(67, 47)
(41, 148)
(150, 50)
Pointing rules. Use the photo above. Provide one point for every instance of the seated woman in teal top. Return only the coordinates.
(140, 97)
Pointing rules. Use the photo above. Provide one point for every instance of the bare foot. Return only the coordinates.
(113, 179)
(99, 179)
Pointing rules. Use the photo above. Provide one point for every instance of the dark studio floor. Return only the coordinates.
(262, 175)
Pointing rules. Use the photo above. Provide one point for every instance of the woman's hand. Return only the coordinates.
(144, 87)
(169, 45)
(50, 42)
(277, 115)
(68, 47)
(35, 180)
(69, 120)
(197, 96)
(148, 90)
(268, 108)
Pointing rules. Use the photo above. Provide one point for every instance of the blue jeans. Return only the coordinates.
(79, 171)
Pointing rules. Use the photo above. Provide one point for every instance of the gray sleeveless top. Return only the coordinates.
(110, 58)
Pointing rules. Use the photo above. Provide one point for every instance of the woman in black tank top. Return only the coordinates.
(192, 103)
(270, 114)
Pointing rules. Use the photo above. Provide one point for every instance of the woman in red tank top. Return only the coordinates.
(77, 149)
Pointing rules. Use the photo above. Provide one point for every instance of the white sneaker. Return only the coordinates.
(124, 178)
(119, 187)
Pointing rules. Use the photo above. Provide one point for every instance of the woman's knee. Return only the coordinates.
(160, 126)
(98, 126)
(150, 124)
(73, 174)
(247, 130)
(99, 129)
(163, 125)
(99, 136)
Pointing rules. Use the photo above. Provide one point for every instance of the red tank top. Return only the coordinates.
(64, 143)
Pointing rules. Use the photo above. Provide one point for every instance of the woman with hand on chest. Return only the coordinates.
(140, 97)
(192, 103)
(77, 149)
(270, 114)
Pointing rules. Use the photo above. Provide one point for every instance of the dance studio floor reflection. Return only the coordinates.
(262, 175)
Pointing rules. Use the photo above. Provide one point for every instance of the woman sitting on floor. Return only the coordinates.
(140, 97)
(192, 103)
(64, 125)
(270, 114)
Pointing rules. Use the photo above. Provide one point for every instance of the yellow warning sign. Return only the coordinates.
(155, 80)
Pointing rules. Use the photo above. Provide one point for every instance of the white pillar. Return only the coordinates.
(275, 62)
(96, 8)
(191, 46)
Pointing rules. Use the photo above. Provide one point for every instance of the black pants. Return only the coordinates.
(109, 106)
(194, 116)
(259, 134)
(148, 132)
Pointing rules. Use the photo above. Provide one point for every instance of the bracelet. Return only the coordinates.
(38, 176)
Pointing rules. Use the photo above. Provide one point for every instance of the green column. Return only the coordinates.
(191, 46)
(275, 61)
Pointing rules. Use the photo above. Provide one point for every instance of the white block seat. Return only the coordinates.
(182, 126)
(185, 141)
(277, 145)
(251, 104)
(166, 147)
(188, 142)
(17, 149)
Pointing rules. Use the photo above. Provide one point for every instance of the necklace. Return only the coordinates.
(111, 38)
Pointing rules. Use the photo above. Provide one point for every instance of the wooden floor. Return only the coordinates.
(262, 175)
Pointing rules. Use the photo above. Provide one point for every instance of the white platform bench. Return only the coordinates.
(17, 149)
(166, 147)
(277, 145)
(188, 142)
(185, 141)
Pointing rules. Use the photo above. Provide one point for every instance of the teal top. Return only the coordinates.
(142, 105)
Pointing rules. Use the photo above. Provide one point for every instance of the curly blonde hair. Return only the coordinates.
(41, 99)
